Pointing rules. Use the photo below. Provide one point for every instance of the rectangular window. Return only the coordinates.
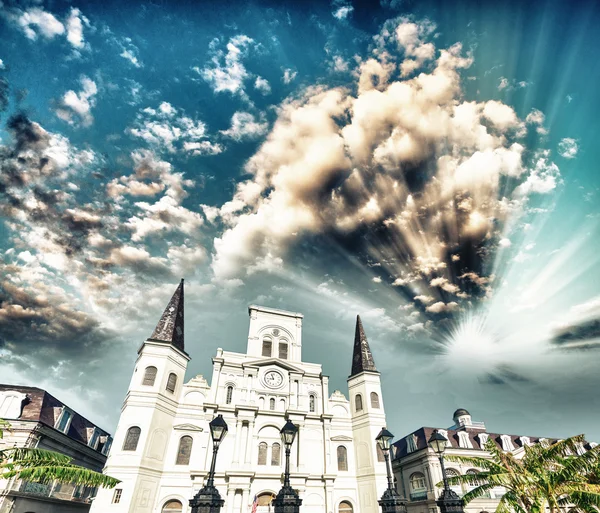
(117, 496)
(283, 350)
(266, 347)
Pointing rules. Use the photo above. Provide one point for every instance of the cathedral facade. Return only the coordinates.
(162, 447)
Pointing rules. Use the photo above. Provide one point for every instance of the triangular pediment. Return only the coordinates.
(187, 427)
(284, 364)
(341, 438)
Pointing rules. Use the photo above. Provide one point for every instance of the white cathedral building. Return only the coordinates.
(162, 448)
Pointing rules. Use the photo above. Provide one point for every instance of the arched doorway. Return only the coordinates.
(345, 507)
(172, 506)
(265, 502)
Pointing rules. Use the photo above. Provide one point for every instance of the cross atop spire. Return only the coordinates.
(170, 327)
(362, 359)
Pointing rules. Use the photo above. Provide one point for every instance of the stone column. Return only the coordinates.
(229, 500)
(245, 494)
(249, 442)
(238, 441)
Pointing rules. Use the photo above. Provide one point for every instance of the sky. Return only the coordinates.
(430, 165)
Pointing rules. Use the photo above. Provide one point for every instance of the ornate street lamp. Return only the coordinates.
(208, 499)
(287, 500)
(391, 501)
(449, 501)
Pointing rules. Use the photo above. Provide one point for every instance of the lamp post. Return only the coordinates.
(287, 500)
(208, 499)
(449, 501)
(391, 501)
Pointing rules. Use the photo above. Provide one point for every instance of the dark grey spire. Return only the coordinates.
(170, 327)
(362, 359)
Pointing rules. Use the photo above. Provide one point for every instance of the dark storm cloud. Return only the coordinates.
(581, 336)
(41, 326)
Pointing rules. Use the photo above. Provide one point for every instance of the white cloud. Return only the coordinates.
(377, 279)
(1, 64)
(536, 117)
(441, 307)
(74, 27)
(36, 22)
(130, 52)
(288, 75)
(245, 126)
(76, 107)
(166, 129)
(568, 148)
(543, 178)
(503, 83)
(262, 85)
(226, 71)
(339, 64)
(341, 13)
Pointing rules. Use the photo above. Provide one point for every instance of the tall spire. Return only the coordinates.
(170, 327)
(362, 359)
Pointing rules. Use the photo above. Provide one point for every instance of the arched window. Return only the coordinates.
(272, 404)
(171, 383)
(149, 376)
(342, 457)
(261, 403)
(132, 438)
(185, 450)
(417, 483)
(267, 347)
(229, 396)
(173, 506)
(456, 488)
(345, 507)
(262, 453)
(374, 400)
(380, 455)
(311, 403)
(358, 406)
(283, 350)
(275, 454)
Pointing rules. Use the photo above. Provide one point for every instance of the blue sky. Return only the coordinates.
(430, 166)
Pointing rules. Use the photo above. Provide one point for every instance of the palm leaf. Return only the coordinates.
(72, 474)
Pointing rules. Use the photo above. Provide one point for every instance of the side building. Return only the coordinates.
(38, 419)
(162, 450)
(417, 469)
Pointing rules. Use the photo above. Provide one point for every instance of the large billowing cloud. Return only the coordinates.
(399, 165)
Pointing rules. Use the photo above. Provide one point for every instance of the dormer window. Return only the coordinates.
(464, 441)
(483, 438)
(93, 441)
(411, 443)
(64, 421)
(267, 347)
(507, 444)
(444, 433)
(525, 441)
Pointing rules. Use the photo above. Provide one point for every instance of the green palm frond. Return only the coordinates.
(62, 473)
(475, 493)
(31, 456)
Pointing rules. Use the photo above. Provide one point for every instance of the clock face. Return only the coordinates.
(273, 379)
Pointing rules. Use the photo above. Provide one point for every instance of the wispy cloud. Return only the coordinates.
(568, 148)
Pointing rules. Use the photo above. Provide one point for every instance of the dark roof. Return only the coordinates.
(40, 406)
(362, 359)
(423, 434)
(459, 412)
(170, 327)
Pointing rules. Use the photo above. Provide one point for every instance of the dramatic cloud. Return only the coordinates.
(342, 12)
(262, 85)
(79, 104)
(165, 129)
(288, 75)
(432, 175)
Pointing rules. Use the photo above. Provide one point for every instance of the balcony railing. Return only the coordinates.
(68, 492)
(418, 496)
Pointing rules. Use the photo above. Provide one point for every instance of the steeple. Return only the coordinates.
(362, 359)
(170, 327)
